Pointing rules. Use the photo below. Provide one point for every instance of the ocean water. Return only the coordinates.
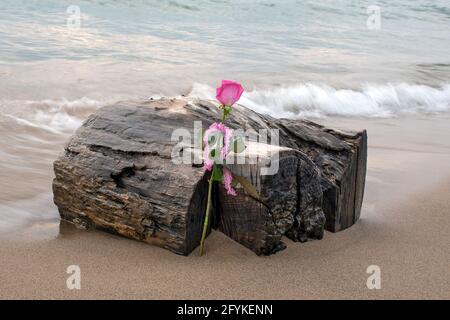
(60, 60)
(301, 57)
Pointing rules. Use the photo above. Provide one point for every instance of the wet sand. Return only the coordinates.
(404, 229)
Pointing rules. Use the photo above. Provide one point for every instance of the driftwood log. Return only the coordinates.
(117, 174)
(289, 203)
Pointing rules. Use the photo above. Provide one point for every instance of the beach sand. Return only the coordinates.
(404, 229)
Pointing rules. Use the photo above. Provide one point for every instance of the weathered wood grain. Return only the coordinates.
(116, 174)
(289, 203)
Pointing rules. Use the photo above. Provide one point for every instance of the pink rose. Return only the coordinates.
(229, 92)
(227, 180)
(219, 130)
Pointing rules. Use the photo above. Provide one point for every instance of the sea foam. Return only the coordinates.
(319, 100)
(51, 115)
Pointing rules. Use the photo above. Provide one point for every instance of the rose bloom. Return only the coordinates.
(229, 92)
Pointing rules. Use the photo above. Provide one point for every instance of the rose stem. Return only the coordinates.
(208, 206)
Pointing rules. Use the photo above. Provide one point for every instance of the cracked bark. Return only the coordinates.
(116, 174)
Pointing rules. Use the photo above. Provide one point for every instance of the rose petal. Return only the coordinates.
(229, 92)
(227, 180)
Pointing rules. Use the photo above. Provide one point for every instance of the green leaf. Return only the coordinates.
(211, 139)
(248, 187)
(217, 174)
(215, 142)
(238, 145)
(227, 110)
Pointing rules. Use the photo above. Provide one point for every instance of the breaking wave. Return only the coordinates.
(53, 116)
(316, 100)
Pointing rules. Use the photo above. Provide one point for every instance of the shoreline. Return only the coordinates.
(403, 229)
(413, 263)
